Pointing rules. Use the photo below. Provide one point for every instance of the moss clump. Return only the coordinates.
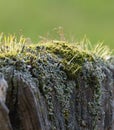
(74, 56)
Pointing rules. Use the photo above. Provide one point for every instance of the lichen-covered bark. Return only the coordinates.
(43, 96)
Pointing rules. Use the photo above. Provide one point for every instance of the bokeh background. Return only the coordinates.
(34, 18)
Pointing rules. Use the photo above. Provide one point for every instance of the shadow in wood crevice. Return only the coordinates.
(22, 106)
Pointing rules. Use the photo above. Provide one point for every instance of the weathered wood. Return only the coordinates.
(4, 117)
(43, 97)
(27, 106)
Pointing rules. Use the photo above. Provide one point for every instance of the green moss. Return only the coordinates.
(72, 57)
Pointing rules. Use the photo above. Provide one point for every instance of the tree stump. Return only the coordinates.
(44, 93)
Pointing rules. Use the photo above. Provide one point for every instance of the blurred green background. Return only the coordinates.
(78, 17)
